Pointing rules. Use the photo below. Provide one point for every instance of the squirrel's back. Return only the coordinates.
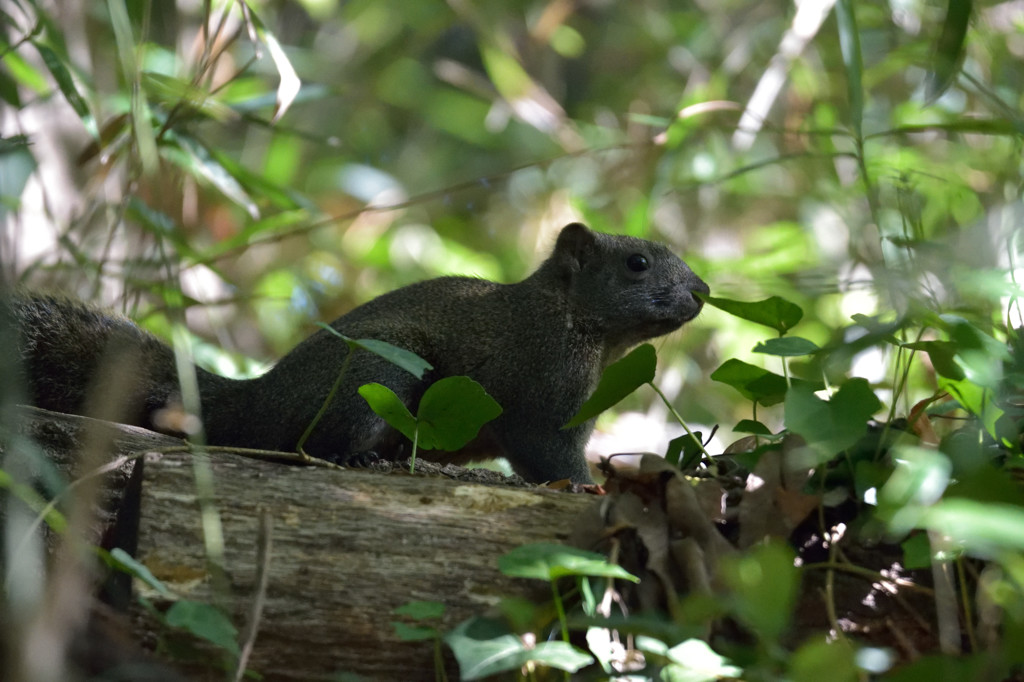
(537, 346)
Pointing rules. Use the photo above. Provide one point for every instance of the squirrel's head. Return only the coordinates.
(632, 289)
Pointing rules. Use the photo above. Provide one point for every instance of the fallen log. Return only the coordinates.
(346, 548)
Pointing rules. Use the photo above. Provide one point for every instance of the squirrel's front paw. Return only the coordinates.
(367, 459)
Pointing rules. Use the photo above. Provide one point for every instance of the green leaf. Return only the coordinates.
(452, 411)
(289, 85)
(787, 346)
(156, 221)
(600, 645)
(983, 529)
(383, 401)
(204, 621)
(413, 633)
(982, 126)
(919, 479)
(674, 450)
(752, 426)
(618, 380)
(949, 50)
(764, 583)
(17, 166)
(28, 494)
(824, 659)
(941, 354)
(22, 72)
(917, 551)
(695, 661)
(507, 74)
(977, 400)
(485, 647)
(67, 87)
(685, 451)
(420, 610)
(978, 356)
(260, 185)
(868, 474)
(849, 46)
(548, 561)
(406, 359)
(192, 156)
(141, 115)
(558, 655)
(173, 91)
(775, 312)
(520, 613)
(123, 561)
(831, 426)
(754, 383)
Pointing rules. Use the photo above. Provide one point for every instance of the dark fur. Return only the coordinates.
(537, 346)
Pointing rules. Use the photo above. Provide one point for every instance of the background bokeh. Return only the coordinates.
(150, 162)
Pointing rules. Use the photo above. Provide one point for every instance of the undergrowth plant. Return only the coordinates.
(942, 482)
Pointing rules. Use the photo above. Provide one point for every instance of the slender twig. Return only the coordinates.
(868, 574)
(264, 542)
(679, 419)
(327, 402)
(965, 597)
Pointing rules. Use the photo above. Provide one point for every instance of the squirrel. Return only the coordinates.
(538, 347)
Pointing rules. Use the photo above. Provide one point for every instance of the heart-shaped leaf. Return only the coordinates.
(619, 380)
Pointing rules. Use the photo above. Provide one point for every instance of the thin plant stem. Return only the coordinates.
(868, 574)
(562, 620)
(560, 610)
(965, 599)
(415, 445)
(327, 402)
(679, 419)
(439, 671)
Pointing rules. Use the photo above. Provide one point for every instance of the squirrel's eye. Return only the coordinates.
(637, 263)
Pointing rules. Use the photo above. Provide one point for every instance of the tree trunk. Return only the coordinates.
(345, 549)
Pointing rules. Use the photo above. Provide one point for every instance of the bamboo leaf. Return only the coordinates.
(949, 51)
(853, 63)
(67, 86)
(142, 118)
(195, 158)
(290, 84)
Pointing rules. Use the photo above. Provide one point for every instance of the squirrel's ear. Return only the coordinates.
(575, 245)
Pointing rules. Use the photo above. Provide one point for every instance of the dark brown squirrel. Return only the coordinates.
(538, 347)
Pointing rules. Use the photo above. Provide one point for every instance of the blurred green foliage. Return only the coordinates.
(262, 170)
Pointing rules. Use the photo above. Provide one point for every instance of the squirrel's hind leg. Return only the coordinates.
(352, 434)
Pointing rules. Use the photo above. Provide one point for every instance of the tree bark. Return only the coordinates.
(345, 549)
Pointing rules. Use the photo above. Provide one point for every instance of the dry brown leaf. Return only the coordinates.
(921, 423)
(794, 506)
(774, 503)
(745, 444)
(758, 516)
(652, 529)
(711, 498)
